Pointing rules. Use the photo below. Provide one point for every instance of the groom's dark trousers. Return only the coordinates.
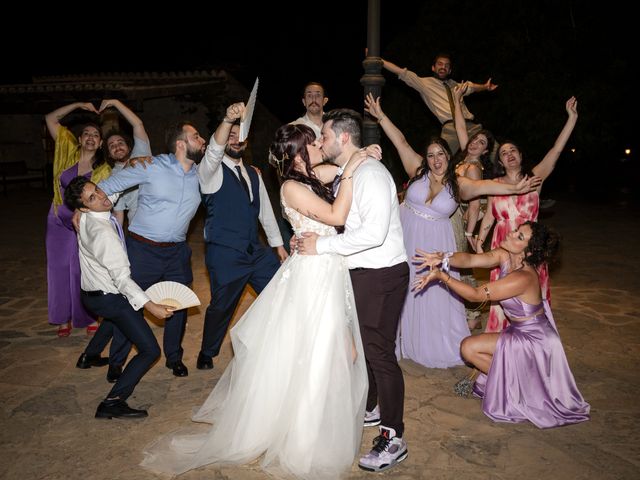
(379, 294)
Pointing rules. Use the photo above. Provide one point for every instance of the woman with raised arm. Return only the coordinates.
(471, 160)
(511, 211)
(433, 322)
(295, 391)
(73, 156)
(525, 374)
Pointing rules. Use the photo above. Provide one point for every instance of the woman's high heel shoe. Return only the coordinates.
(64, 330)
(92, 329)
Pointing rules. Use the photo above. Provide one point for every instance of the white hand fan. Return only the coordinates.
(245, 121)
(173, 294)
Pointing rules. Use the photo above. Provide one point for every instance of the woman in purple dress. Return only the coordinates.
(433, 322)
(73, 156)
(525, 374)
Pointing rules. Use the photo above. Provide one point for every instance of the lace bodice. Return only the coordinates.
(301, 223)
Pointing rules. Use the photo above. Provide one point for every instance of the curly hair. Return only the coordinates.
(114, 132)
(544, 244)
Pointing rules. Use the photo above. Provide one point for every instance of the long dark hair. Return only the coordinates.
(498, 168)
(449, 177)
(485, 158)
(292, 140)
(99, 157)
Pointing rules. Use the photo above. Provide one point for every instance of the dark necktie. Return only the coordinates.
(243, 182)
(335, 184)
(451, 105)
(118, 228)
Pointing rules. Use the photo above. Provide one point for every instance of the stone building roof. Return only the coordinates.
(45, 93)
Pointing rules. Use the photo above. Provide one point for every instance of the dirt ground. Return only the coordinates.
(49, 432)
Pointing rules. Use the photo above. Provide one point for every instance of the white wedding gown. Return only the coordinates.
(293, 393)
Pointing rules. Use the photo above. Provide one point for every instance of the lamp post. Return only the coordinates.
(372, 80)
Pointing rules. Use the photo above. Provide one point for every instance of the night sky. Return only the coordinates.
(584, 47)
(321, 41)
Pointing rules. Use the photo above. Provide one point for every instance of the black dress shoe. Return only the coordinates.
(114, 373)
(204, 362)
(118, 409)
(88, 361)
(179, 368)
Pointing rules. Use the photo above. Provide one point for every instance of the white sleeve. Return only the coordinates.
(267, 217)
(109, 252)
(374, 210)
(209, 172)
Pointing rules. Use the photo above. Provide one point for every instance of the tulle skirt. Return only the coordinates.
(293, 393)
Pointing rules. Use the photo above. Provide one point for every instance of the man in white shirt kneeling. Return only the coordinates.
(109, 291)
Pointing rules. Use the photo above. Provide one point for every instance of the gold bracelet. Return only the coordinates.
(448, 278)
(485, 301)
(486, 292)
(346, 178)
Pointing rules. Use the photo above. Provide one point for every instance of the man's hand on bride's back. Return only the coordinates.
(306, 244)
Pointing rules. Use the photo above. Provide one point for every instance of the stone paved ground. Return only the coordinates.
(47, 405)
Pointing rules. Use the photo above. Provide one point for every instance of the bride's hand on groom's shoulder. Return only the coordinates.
(361, 155)
(374, 150)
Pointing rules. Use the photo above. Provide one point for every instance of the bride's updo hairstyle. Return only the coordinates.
(292, 140)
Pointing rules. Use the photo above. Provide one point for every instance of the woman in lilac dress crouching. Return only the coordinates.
(525, 374)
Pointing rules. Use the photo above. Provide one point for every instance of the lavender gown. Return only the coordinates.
(433, 322)
(529, 378)
(63, 267)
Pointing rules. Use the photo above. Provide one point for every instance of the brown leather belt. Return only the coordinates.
(142, 239)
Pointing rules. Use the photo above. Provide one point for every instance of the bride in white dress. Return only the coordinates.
(294, 393)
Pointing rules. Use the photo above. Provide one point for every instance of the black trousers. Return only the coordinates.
(116, 309)
(149, 265)
(229, 272)
(379, 294)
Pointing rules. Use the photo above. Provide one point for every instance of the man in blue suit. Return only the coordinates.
(235, 198)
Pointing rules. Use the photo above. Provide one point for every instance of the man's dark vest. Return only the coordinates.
(231, 219)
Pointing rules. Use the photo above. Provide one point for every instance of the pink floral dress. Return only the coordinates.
(511, 211)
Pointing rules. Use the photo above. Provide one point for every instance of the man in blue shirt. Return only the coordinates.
(168, 198)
